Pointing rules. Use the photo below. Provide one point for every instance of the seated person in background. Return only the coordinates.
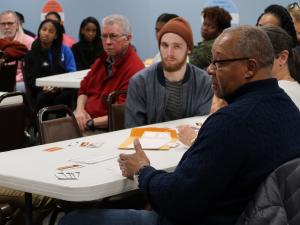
(67, 39)
(160, 22)
(10, 29)
(171, 89)
(110, 72)
(277, 15)
(49, 56)
(294, 10)
(22, 21)
(215, 20)
(89, 47)
(236, 148)
(286, 67)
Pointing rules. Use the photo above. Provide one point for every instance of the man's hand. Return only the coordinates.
(131, 163)
(186, 134)
(81, 116)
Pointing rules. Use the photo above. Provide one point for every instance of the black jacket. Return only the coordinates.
(277, 201)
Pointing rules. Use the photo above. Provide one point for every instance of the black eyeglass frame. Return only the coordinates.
(214, 62)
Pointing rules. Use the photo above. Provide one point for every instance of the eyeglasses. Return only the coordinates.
(217, 64)
(7, 24)
(293, 5)
(112, 37)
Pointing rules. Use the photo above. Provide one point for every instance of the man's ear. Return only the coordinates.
(251, 68)
(283, 57)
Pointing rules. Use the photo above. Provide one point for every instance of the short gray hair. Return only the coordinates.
(118, 19)
(253, 42)
(11, 12)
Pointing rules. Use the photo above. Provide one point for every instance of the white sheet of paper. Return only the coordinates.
(94, 158)
(153, 140)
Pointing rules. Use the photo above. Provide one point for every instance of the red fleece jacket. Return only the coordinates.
(97, 84)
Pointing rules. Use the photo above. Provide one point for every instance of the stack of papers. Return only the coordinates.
(151, 138)
(154, 140)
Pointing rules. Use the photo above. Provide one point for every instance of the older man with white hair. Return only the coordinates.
(10, 29)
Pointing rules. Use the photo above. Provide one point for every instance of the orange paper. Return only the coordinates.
(138, 132)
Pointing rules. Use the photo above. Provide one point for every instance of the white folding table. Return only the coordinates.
(34, 169)
(65, 80)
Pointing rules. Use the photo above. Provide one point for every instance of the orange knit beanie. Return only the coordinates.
(180, 27)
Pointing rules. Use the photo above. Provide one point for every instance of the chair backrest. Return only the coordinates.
(115, 111)
(13, 118)
(57, 129)
(277, 200)
(8, 76)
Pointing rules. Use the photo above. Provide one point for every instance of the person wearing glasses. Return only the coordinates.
(294, 10)
(171, 89)
(110, 72)
(11, 29)
(286, 69)
(236, 149)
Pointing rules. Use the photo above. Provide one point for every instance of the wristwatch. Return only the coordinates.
(90, 124)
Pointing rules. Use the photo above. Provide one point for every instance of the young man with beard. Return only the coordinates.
(171, 89)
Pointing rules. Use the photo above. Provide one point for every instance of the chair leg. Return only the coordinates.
(7, 212)
(54, 215)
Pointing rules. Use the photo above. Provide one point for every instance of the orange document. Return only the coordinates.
(154, 138)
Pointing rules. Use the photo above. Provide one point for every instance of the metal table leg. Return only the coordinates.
(28, 208)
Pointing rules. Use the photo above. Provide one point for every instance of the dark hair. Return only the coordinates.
(165, 17)
(56, 14)
(20, 17)
(221, 17)
(57, 42)
(96, 23)
(281, 41)
(285, 20)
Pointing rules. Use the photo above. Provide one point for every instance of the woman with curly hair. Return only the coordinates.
(215, 20)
